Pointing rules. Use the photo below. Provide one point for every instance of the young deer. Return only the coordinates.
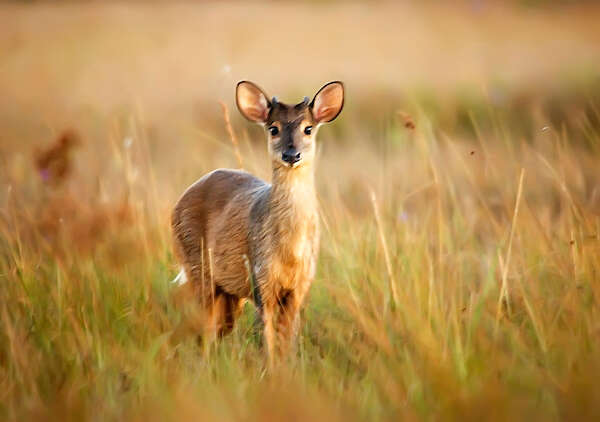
(239, 238)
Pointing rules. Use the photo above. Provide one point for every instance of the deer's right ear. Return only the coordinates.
(252, 102)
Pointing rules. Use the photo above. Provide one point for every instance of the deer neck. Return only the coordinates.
(293, 201)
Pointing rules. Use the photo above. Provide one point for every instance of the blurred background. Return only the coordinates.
(99, 67)
(83, 64)
(460, 116)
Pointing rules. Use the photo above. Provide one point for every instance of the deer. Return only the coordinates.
(239, 238)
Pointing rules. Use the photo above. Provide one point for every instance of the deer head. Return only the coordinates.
(291, 129)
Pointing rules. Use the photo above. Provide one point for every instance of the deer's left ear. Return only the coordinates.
(328, 102)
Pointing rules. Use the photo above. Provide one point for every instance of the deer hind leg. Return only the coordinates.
(215, 311)
(221, 314)
(231, 310)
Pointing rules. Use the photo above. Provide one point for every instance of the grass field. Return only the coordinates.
(463, 175)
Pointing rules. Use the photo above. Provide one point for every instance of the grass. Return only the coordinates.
(493, 249)
(459, 274)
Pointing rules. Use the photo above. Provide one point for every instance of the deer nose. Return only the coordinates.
(291, 156)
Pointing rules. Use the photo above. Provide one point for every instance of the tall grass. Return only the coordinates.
(491, 244)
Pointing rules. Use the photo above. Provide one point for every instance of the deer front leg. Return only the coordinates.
(269, 332)
(280, 324)
(280, 312)
(287, 321)
(279, 317)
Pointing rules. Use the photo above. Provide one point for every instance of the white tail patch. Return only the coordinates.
(180, 279)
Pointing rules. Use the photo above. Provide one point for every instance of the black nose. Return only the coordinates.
(291, 156)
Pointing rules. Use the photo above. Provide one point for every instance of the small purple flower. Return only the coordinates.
(45, 174)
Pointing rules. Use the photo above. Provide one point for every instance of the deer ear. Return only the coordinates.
(328, 102)
(252, 102)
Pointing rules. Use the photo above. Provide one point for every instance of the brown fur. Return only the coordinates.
(231, 228)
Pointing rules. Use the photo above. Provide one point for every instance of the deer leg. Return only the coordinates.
(280, 317)
(287, 321)
(232, 310)
(215, 317)
(221, 315)
(269, 332)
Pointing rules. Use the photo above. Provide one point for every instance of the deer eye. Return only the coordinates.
(308, 130)
(273, 130)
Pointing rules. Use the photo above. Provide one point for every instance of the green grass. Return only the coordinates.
(87, 313)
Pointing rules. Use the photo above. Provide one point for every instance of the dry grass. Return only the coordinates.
(459, 277)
